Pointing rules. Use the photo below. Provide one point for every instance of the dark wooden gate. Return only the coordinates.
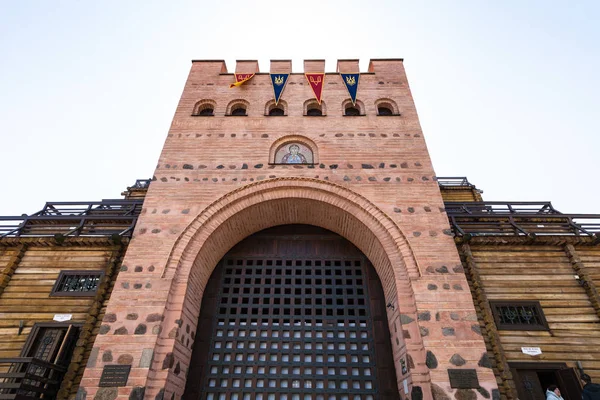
(293, 313)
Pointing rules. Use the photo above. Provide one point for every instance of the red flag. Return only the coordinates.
(316, 82)
(241, 79)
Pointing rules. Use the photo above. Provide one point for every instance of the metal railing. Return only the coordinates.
(454, 181)
(496, 218)
(92, 219)
(29, 378)
(141, 184)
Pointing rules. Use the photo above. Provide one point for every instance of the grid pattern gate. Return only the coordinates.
(291, 329)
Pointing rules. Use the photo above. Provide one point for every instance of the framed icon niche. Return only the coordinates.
(293, 150)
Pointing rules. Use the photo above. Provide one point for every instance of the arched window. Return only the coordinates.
(352, 111)
(276, 112)
(313, 109)
(386, 107)
(204, 108)
(238, 111)
(237, 108)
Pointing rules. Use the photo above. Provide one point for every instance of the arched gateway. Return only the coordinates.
(292, 312)
(369, 236)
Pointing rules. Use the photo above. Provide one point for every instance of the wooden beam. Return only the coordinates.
(11, 266)
(492, 338)
(584, 279)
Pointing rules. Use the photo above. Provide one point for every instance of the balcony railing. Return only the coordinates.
(495, 218)
(91, 219)
(29, 378)
(454, 181)
(141, 184)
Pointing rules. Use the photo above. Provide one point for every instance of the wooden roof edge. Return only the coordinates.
(75, 241)
(555, 240)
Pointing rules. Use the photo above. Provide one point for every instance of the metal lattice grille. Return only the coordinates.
(293, 329)
(77, 283)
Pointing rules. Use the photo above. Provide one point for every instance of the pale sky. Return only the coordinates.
(507, 91)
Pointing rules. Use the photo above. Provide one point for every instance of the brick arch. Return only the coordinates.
(204, 104)
(233, 104)
(326, 194)
(388, 103)
(280, 201)
(348, 103)
(271, 105)
(313, 103)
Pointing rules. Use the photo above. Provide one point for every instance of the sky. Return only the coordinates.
(507, 92)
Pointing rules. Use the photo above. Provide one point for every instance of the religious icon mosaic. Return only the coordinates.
(294, 153)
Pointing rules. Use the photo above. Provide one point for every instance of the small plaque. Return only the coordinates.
(62, 317)
(463, 378)
(532, 351)
(114, 375)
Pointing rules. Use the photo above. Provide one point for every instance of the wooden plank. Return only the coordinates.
(562, 278)
(518, 356)
(47, 271)
(47, 308)
(39, 316)
(534, 289)
(551, 340)
(540, 296)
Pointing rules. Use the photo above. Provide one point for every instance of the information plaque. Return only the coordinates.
(114, 375)
(463, 378)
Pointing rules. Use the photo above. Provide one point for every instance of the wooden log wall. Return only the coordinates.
(460, 194)
(539, 271)
(29, 268)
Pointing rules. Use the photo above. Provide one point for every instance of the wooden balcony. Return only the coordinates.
(104, 218)
(497, 218)
(29, 378)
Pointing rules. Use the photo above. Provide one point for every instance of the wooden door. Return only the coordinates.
(528, 385)
(569, 384)
(293, 313)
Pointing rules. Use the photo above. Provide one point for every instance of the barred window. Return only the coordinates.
(77, 283)
(519, 315)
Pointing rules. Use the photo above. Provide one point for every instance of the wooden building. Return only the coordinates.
(533, 273)
(298, 250)
(57, 270)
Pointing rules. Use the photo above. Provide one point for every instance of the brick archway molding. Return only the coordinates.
(265, 204)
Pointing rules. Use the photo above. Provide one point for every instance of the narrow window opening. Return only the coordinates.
(276, 112)
(384, 111)
(352, 111)
(238, 112)
(206, 112)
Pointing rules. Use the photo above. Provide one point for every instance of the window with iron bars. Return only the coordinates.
(519, 315)
(77, 283)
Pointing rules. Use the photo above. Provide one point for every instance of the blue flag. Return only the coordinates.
(279, 81)
(351, 82)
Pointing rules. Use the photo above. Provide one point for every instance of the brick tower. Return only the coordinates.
(236, 167)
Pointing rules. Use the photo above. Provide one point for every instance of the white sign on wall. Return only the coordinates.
(405, 383)
(62, 317)
(532, 351)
